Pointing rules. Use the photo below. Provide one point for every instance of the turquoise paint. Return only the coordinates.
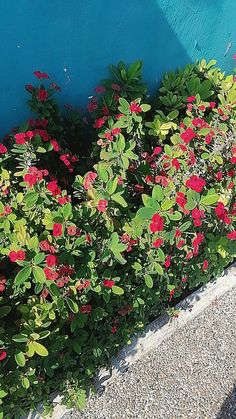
(75, 40)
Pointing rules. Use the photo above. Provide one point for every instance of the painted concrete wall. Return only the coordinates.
(75, 40)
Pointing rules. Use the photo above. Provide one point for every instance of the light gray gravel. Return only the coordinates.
(191, 375)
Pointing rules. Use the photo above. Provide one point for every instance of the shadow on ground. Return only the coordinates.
(228, 408)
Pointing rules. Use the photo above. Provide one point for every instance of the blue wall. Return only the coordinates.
(75, 40)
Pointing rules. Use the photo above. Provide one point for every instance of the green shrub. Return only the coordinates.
(87, 258)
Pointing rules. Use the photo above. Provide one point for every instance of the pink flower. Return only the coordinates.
(234, 57)
(232, 235)
(156, 151)
(51, 260)
(20, 138)
(205, 265)
(3, 149)
(3, 355)
(89, 179)
(57, 229)
(102, 205)
(191, 99)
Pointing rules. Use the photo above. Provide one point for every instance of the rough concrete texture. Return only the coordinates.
(191, 375)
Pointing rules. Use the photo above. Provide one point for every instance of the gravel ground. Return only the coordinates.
(191, 375)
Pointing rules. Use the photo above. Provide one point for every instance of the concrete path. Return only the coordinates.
(191, 375)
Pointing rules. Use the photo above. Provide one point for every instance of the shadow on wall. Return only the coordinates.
(74, 42)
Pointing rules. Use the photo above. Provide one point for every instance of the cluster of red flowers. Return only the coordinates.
(16, 255)
(157, 223)
(34, 175)
(125, 238)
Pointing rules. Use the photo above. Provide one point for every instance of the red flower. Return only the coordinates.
(222, 213)
(232, 235)
(20, 138)
(20, 255)
(50, 274)
(113, 329)
(99, 123)
(212, 105)
(108, 283)
(100, 89)
(31, 179)
(92, 105)
(71, 230)
(156, 151)
(89, 179)
(41, 75)
(51, 260)
(53, 188)
(191, 99)
(175, 163)
(55, 145)
(14, 256)
(167, 262)
(2, 283)
(138, 188)
(219, 176)
(57, 230)
(86, 309)
(3, 355)
(157, 243)
(3, 149)
(42, 95)
(135, 108)
(116, 131)
(102, 205)
(187, 135)
(195, 183)
(44, 245)
(157, 223)
(180, 244)
(205, 265)
(180, 199)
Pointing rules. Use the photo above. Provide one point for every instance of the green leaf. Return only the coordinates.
(39, 274)
(167, 204)
(159, 268)
(102, 173)
(175, 216)
(157, 193)
(148, 281)
(40, 349)
(25, 382)
(73, 306)
(117, 290)
(185, 226)
(20, 359)
(112, 185)
(23, 275)
(67, 210)
(30, 199)
(3, 394)
(219, 159)
(119, 199)
(209, 199)
(145, 213)
(39, 258)
(20, 338)
(145, 107)
(4, 311)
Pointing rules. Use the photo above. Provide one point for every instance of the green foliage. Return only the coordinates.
(89, 255)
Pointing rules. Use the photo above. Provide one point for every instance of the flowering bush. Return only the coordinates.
(88, 256)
